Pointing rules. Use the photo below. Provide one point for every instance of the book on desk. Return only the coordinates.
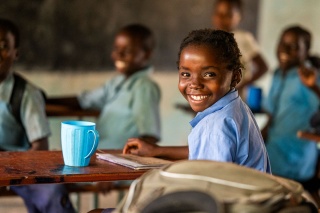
(133, 161)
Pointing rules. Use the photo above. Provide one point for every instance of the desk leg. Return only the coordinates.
(95, 200)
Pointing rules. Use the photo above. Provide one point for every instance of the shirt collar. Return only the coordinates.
(222, 102)
(141, 73)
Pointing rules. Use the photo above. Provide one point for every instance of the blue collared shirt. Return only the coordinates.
(291, 105)
(228, 132)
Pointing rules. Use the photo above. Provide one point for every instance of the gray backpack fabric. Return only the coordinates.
(212, 187)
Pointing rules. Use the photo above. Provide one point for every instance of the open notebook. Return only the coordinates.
(134, 161)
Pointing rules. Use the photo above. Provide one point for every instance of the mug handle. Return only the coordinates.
(95, 142)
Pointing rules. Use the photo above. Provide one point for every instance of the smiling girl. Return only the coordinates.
(224, 128)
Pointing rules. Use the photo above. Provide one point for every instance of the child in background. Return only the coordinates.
(226, 16)
(129, 103)
(224, 128)
(291, 102)
(31, 133)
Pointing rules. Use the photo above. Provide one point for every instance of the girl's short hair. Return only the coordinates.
(220, 41)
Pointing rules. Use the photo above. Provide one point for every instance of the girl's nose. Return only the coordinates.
(195, 83)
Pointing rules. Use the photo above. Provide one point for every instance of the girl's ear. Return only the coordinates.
(236, 78)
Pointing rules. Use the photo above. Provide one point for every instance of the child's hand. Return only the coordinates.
(308, 76)
(137, 146)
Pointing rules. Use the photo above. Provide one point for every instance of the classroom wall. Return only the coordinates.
(78, 35)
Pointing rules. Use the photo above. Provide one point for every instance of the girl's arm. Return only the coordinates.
(140, 147)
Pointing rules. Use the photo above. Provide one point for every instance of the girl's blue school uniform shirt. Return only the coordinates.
(129, 108)
(291, 105)
(228, 132)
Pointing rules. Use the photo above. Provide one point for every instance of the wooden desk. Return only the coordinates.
(58, 110)
(19, 168)
(309, 136)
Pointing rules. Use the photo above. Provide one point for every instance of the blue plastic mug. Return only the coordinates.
(79, 140)
(254, 98)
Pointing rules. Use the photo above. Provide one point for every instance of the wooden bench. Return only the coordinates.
(74, 188)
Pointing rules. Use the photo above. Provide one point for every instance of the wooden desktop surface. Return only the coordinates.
(20, 168)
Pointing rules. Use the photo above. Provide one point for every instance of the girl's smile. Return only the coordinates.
(198, 98)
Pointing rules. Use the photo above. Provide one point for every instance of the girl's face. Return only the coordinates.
(203, 79)
(291, 51)
(225, 16)
(128, 55)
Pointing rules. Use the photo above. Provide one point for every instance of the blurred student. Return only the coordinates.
(224, 128)
(129, 103)
(291, 102)
(24, 126)
(226, 16)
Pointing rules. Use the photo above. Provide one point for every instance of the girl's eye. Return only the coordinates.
(209, 74)
(185, 74)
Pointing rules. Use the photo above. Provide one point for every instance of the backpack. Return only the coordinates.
(15, 100)
(212, 187)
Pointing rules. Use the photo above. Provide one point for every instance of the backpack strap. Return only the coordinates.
(16, 97)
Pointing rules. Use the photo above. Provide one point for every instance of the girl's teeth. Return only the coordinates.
(198, 97)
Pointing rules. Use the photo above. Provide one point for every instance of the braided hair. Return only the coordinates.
(219, 40)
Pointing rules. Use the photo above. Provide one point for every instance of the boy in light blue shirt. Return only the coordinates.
(224, 128)
(129, 103)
